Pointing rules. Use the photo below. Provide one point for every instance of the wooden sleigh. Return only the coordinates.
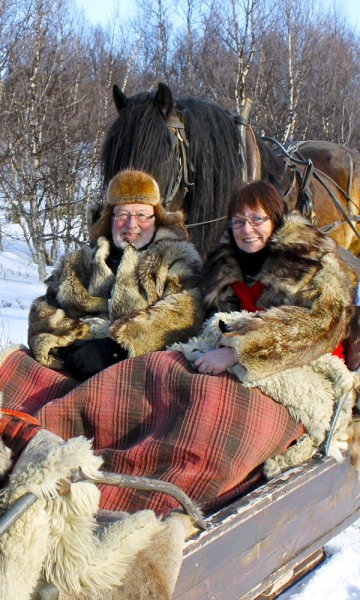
(260, 544)
(265, 541)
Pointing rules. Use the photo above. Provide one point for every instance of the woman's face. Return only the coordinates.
(251, 229)
(133, 224)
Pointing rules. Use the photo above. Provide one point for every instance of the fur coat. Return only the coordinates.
(152, 301)
(285, 350)
(308, 299)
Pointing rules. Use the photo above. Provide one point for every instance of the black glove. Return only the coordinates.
(85, 358)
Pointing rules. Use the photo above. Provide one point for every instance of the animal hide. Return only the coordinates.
(311, 393)
(154, 572)
(58, 537)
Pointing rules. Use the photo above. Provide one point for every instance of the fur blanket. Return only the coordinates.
(310, 393)
(60, 539)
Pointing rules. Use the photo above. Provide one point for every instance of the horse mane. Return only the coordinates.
(272, 166)
(140, 138)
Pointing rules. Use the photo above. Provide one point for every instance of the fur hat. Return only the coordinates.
(128, 187)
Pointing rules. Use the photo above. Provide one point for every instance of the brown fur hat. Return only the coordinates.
(129, 187)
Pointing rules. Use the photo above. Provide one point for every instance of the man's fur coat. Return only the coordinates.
(152, 301)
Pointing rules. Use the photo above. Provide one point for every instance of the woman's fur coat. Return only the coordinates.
(308, 299)
(285, 350)
(152, 301)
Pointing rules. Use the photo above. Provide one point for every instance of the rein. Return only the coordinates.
(204, 222)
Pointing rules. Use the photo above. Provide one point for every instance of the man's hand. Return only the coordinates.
(86, 358)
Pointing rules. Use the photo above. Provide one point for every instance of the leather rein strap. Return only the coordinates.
(180, 148)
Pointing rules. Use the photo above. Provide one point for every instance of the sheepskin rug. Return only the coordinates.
(58, 543)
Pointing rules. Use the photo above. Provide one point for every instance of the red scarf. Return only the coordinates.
(248, 297)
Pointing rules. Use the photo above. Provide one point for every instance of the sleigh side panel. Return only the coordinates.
(263, 542)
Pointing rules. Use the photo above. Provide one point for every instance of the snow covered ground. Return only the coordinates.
(338, 578)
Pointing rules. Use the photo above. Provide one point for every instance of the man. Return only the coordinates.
(132, 290)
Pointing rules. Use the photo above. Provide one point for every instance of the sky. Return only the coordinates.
(338, 578)
(99, 11)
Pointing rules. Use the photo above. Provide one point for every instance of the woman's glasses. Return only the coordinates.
(123, 217)
(253, 221)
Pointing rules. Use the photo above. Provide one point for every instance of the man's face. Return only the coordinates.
(133, 224)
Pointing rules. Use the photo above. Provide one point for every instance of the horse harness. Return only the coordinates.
(293, 159)
(180, 147)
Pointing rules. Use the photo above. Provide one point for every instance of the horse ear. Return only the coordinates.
(120, 99)
(164, 99)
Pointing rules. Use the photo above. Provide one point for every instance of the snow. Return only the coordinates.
(337, 578)
(19, 285)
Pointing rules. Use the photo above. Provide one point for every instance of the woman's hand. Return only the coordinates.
(217, 361)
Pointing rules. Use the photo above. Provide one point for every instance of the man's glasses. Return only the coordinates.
(253, 221)
(123, 217)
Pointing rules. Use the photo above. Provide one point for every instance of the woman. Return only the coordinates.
(286, 275)
(133, 290)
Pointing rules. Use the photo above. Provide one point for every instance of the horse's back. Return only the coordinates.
(334, 160)
(336, 184)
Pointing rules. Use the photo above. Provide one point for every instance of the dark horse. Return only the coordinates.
(198, 152)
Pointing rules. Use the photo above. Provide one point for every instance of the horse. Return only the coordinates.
(198, 152)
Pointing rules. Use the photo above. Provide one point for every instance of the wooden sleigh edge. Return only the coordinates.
(260, 544)
(265, 541)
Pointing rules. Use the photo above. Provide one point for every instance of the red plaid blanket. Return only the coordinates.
(154, 416)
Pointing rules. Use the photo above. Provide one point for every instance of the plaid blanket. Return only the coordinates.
(154, 416)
